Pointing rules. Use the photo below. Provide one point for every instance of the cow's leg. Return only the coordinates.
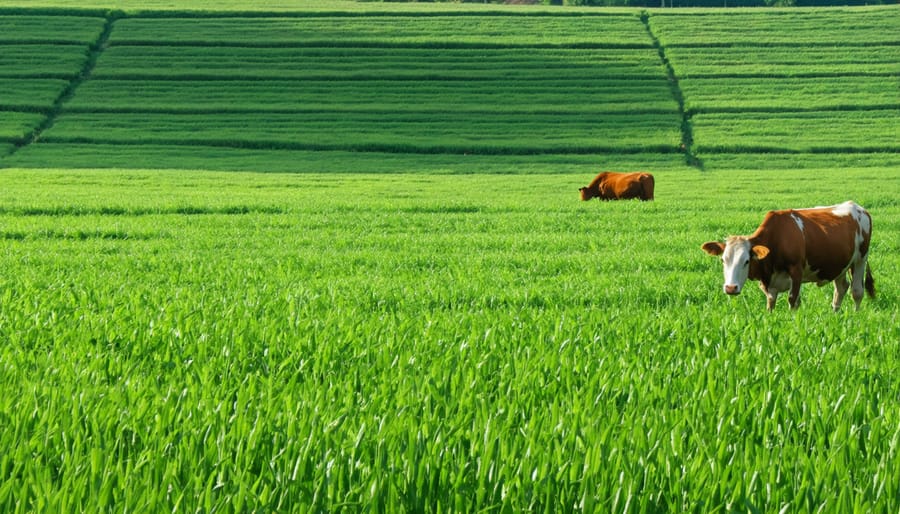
(857, 281)
(771, 295)
(840, 289)
(796, 282)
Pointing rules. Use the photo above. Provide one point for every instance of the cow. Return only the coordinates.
(801, 245)
(609, 185)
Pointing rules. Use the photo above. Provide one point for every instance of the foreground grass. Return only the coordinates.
(238, 342)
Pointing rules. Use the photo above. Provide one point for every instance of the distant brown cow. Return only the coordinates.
(609, 185)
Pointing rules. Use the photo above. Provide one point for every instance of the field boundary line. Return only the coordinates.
(90, 63)
(687, 131)
(792, 109)
(362, 43)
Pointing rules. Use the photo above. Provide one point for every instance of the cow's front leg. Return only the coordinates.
(796, 281)
(771, 295)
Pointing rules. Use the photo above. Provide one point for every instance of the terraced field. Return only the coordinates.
(623, 88)
(615, 86)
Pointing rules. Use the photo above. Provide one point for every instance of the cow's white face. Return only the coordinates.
(736, 252)
(736, 265)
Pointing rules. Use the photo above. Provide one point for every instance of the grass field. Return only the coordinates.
(209, 341)
(333, 260)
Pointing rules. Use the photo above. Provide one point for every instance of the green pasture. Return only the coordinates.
(425, 342)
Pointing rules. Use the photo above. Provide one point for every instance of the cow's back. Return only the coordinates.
(822, 239)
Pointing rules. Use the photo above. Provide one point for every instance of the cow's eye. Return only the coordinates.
(747, 262)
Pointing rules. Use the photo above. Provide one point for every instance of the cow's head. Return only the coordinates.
(737, 254)
(586, 193)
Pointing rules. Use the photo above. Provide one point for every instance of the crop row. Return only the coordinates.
(57, 30)
(415, 132)
(789, 94)
(30, 61)
(175, 62)
(30, 94)
(783, 61)
(403, 96)
(445, 30)
(788, 28)
(819, 131)
(199, 156)
(14, 126)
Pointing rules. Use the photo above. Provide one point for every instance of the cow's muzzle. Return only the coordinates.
(732, 289)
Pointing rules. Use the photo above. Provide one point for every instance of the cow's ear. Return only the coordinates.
(713, 247)
(760, 252)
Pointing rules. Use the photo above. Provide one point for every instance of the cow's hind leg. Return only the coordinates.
(840, 289)
(857, 279)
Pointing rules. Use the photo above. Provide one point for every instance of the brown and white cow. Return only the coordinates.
(609, 185)
(801, 245)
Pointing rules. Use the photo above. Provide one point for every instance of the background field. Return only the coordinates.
(710, 89)
(334, 260)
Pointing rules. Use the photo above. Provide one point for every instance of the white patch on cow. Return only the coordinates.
(798, 221)
(780, 282)
(845, 209)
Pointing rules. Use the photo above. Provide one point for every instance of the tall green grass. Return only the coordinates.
(301, 343)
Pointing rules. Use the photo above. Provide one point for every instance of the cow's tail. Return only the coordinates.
(648, 185)
(870, 282)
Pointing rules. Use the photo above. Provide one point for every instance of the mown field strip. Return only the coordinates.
(821, 131)
(563, 96)
(848, 28)
(15, 126)
(39, 60)
(30, 94)
(413, 132)
(784, 61)
(768, 161)
(49, 30)
(100, 155)
(178, 62)
(790, 94)
(430, 31)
